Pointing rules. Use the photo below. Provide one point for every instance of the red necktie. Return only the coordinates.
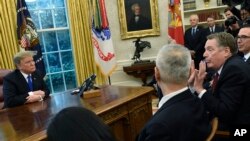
(215, 81)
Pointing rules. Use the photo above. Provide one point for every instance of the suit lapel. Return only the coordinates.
(34, 80)
(222, 74)
(216, 29)
(22, 80)
(248, 60)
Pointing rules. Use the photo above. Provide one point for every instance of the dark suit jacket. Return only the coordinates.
(195, 43)
(230, 101)
(216, 30)
(248, 60)
(15, 88)
(143, 24)
(181, 118)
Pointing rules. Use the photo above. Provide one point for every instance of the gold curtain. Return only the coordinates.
(8, 37)
(80, 27)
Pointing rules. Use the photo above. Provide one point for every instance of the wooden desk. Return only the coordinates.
(141, 70)
(124, 109)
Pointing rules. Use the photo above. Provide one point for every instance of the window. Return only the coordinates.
(51, 21)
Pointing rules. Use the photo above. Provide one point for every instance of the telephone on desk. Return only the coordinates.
(88, 84)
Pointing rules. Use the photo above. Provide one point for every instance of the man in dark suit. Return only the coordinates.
(243, 41)
(194, 39)
(25, 84)
(138, 21)
(181, 115)
(245, 14)
(230, 94)
(212, 27)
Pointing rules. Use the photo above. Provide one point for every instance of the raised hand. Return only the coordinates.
(192, 75)
(199, 77)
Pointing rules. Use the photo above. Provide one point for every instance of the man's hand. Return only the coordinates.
(199, 77)
(33, 98)
(36, 96)
(39, 92)
(192, 75)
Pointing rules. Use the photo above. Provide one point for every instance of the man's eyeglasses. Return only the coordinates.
(241, 38)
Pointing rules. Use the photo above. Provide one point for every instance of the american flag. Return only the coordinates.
(101, 37)
(25, 43)
(27, 34)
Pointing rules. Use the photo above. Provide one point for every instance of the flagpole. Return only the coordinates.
(109, 80)
(101, 39)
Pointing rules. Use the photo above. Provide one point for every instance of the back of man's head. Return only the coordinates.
(173, 62)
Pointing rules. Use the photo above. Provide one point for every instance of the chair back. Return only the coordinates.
(3, 72)
(214, 124)
(221, 134)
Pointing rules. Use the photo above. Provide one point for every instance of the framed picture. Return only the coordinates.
(138, 18)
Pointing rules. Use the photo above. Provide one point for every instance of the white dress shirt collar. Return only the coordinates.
(219, 71)
(247, 55)
(212, 29)
(195, 27)
(166, 97)
(25, 75)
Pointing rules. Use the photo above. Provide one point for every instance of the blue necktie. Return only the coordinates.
(30, 82)
(193, 31)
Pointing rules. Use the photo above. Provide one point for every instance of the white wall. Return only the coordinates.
(124, 49)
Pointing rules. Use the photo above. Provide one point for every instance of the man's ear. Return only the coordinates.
(157, 74)
(227, 51)
(18, 66)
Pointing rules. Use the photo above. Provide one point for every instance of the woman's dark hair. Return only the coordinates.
(78, 124)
